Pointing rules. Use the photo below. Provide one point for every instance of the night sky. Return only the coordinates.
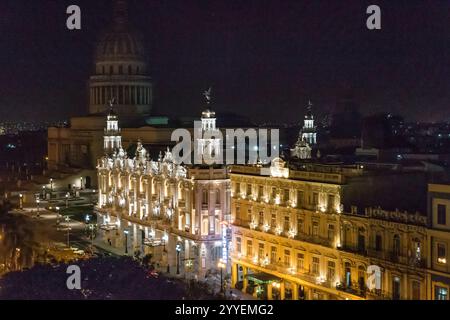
(264, 59)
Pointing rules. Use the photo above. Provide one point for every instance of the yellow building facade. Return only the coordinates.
(292, 238)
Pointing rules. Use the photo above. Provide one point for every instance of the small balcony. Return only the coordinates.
(314, 239)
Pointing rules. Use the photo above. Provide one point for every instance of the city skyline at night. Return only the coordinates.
(259, 57)
(202, 152)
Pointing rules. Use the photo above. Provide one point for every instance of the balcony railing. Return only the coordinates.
(314, 239)
(391, 256)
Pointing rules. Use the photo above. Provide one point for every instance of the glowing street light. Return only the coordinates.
(21, 201)
(51, 184)
(178, 249)
(38, 201)
(126, 241)
(67, 200)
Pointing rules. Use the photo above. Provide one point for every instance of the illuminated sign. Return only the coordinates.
(224, 243)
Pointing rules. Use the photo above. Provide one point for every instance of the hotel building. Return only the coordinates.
(314, 232)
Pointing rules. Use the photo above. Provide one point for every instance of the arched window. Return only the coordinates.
(378, 242)
(362, 277)
(348, 274)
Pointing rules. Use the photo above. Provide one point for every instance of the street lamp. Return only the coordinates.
(43, 191)
(51, 184)
(81, 183)
(178, 249)
(221, 266)
(67, 200)
(38, 203)
(91, 227)
(21, 201)
(67, 219)
(57, 215)
(126, 241)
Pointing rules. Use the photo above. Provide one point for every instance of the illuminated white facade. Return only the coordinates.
(185, 209)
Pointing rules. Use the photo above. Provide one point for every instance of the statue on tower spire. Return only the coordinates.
(207, 95)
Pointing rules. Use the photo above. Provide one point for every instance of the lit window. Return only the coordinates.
(315, 229)
(441, 253)
(287, 258)
(315, 265)
(261, 251)
(273, 254)
(300, 261)
(331, 270)
(331, 232)
(440, 293)
(300, 227)
(238, 245)
(273, 221)
(261, 218)
(249, 248)
(287, 223)
(315, 199)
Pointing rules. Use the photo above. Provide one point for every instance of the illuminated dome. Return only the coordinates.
(120, 69)
(123, 45)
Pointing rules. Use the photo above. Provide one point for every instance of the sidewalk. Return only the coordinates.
(106, 247)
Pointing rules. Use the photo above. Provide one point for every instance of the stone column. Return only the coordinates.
(282, 290)
(234, 274)
(404, 287)
(269, 291)
(245, 280)
(294, 291)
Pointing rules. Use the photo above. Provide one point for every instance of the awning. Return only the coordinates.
(262, 277)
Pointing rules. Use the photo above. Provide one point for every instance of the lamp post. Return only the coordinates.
(43, 192)
(91, 228)
(81, 183)
(51, 184)
(38, 203)
(67, 200)
(126, 241)
(21, 201)
(68, 231)
(221, 266)
(57, 215)
(178, 249)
